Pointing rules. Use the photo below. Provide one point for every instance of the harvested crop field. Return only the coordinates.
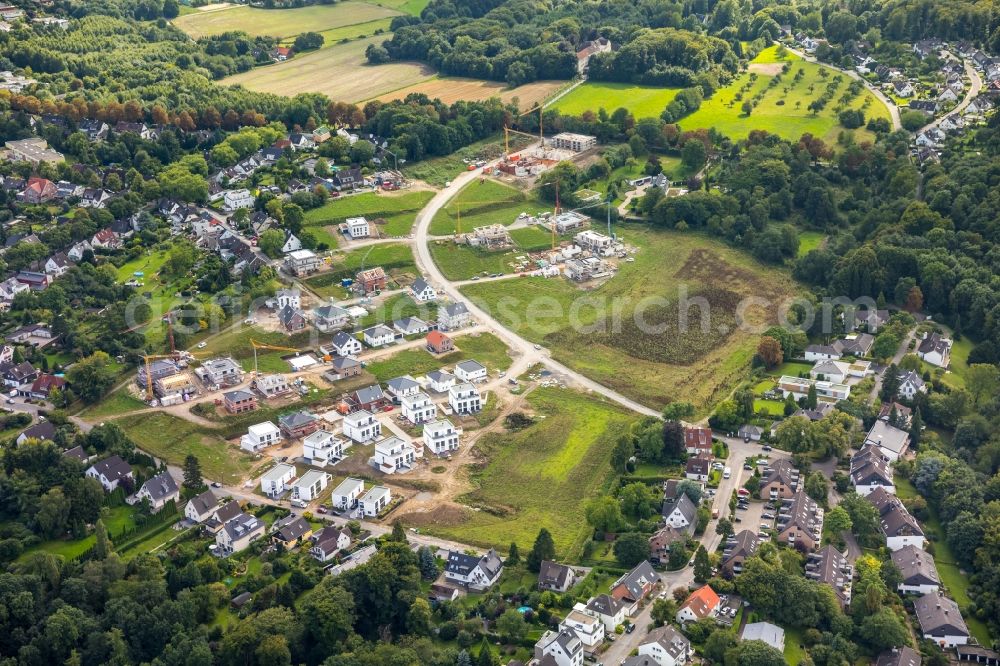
(280, 22)
(340, 72)
(450, 90)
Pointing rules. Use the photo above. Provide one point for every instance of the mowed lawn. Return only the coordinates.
(642, 101)
(779, 112)
(339, 71)
(172, 439)
(542, 476)
(651, 357)
(453, 89)
(281, 23)
(397, 210)
(483, 347)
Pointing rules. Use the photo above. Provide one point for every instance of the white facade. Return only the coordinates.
(323, 447)
(418, 408)
(357, 227)
(345, 496)
(233, 199)
(375, 500)
(260, 436)
(378, 336)
(345, 345)
(422, 291)
(310, 485)
(441, 437)
(362, 426)
(470, 371)
(393, 455)
(277, 480)
(588, 629)
(440, 381)
(465, 399)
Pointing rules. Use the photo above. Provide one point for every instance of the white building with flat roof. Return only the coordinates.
(323, 448)
(393, 456)
(260, 436)
(575, 142)
(310, 485)
(375, 501)
(362, 426)
(465, 399)
(345, 495)
(441, 437)
(357, 227)
(277, 480)
(418, 408)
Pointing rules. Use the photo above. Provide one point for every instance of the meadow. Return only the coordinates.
(541, 476)
(481, 203)
(483, 347)
(652, 368)
(281, 23)
(642, 101)
(339, 71)
(439, 170)
(783, 109)
(395, 258)
(398, 211)
(453, 89)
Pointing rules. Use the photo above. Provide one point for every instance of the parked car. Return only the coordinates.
(765, 448)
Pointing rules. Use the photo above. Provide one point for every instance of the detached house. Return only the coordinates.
(471, 371)
(422, 291)
(665, 646)
(345, 496)
(910, 384)
(440, 437)
(378, 335)
(439, 343)
(277, 480)
(260, 436)
(702, 603)
(681, 514)
(302, 262)
(159, 490)
(562, 648)
(290, 531)
(393, 456)
(343, 367)
(402, 387)
(344, 344)
(375, 501)
(555, 577)
(605, 608)
(698, 468)
(362, 426)
(440, 381)
(935, 349)
(323, 448)
(917, 569)
(201, 507)
(357, 227)
(635, 586)
(327, 318)
(239, 401)
(371, 280)
(453, 316)
(418, 408)
(474, 572)
(465, 399)
(329, 541)
(238, 533)
(941, 620)
(892, 442)
(111, 472)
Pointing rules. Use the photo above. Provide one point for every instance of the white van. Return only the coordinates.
(726, 473)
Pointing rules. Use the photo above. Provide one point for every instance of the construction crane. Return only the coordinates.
(149, 375)
(260, 345)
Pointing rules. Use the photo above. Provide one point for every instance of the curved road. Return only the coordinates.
(975, 87)
(526, 349)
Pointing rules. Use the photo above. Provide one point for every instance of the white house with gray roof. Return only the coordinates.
(470, 371)
(681, 514)
(345, 495)
(453, 315)
(440, 381)
(343, 344)
(110, 472)
(378, 335)
(328, 318)
(422, 291)
(410, 326)
(769, 633)
(158, 490)
(239, 532)
(607, 609)
(563, 647)
(201, 507)
(473, 571)
(666, 645)
(941, 620)
(309, 486)
(919, 573)
(401, 387)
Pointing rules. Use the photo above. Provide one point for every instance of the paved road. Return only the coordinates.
(527, 351)
(975, 87)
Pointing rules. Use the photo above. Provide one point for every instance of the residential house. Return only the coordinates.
(473, 571)
(769, 633)
(588, 629)
(440, 437)
(453, 316)
(94, 130)
(221, 515)
(357, 227)
(393, 456)
(201, 507)
(374, 502)
(665, 646)
(378, 335)
(9, 289)
(260, 436)
(910, 384)
(361, 426)
(219, 372)
(298, 424)
(780, 481)
(236, 199)
(941, 620)
(681, 514)
(419, 408)
(899, 656)
(239, 401)
(94, 197)
(663, 540)
(870, 470)
(917, 569)
(896, 414)
(402, 387)
(238, 533)
(77, 251)
(42, 388)
(562, 648)
(271, 386)
(277, 480)
(750, 433)
(555, 577)
(465, 399)
(302, 262)
(38, 191)
(702, 603)
(106, 239)
(327, 318)
(342, 367)
(742, 545)
(899, 528)
(698, 441)
(410, 326)
(635, 586)
(439, 343)
(344, 344)
(348, 179)
(698, 468)
(57, 264)
(43, 430)
(139, 129)
(35, 280)
(345, 495)
(870, 320)
(902, 89)
(291, 531)
(422, 291)
(323, 448)
(440, 381)
(371, 280)
(855, 344)
(800, 522)
(158, 491)
(798, 387)
(834, 371)
(471, 371)
(893, 442)
(605, 608)
(935, 350)
(291, 319)
(16, 375)
(831, 567)
(329, 541)
(111, 472)
(370, 398)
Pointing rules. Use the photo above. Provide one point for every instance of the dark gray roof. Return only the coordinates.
(420, 285)
(939, 615)
(671, 640)
(933, 342)
(292, 528)
(453, 309)
(345, 362)
(461, 564)
(237, 395)
(554, 575)
(604, 604)
(77, 453)
(40, 430)
(916, 565)
(113, 468)
(684, 506)
(241, 524)
(161, 486)
(369, 394)
(340, 338)
(471, 366)
(904, 656)
(204, 502)
(398, 384)
(296, 419)
(640, 660)
(228, 511)
(636, 580)
(744, 543)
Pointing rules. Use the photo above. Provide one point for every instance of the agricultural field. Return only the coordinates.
(453, 89)
(392, 214)
(281, 23)
(657, 366)
(171, 439)
(642, 101)
(784, 108)
(334, 36)
(395, 258)
(339, 71)
(538, 477)
(481, 203)
(483, 347)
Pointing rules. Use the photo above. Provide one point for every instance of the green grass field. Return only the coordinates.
(172, 439)
(481, 203)
(461, 262)
(395, 258)
(483, 347)
(810, 240)
(281, 22)
(653, 368)
(235, 342)
(769, 407)
(439, 170)
(350, 32)
(398, 211)
(117, 403)
(642, 101)
(541, 476)
(783, 113)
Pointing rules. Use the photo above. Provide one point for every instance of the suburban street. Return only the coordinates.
(975, 87)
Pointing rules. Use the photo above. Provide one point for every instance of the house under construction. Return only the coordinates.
(490, 237)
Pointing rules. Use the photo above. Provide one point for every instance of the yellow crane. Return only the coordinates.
(260, 345)
(149, 375)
